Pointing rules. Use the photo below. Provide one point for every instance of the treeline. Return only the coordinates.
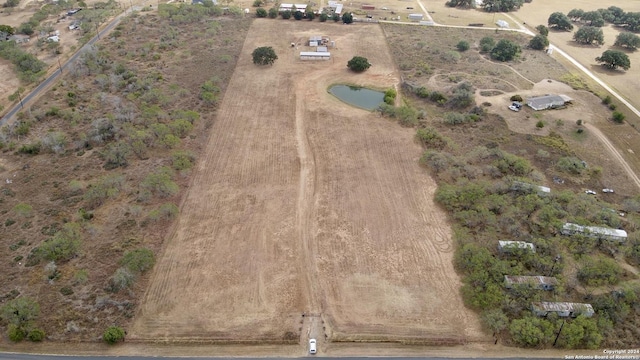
(28, 67)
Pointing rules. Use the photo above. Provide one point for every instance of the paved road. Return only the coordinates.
(13, 356)
(49, 80)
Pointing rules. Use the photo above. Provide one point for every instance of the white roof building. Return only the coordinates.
(563, 309)
(597, 232)
(508, 246)
(538, 282)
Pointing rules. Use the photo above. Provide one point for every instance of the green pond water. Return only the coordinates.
(358, 96)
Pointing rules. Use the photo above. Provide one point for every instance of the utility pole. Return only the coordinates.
(555, 260)
(20, 97)
(559, 331)
(59, 66)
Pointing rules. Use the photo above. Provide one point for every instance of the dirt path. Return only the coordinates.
(603, 139)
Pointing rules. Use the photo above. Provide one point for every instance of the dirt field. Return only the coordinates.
(304, 205)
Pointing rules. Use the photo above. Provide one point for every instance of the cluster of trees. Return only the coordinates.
(264, 55)
(489, 5)
(309, 14)
(28, 66)
(20, 315)
(596, 18)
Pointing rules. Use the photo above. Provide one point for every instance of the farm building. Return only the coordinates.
(322, 49)
(19, 38)
(290, 7)
(368, 7)
(416, 17)
(526, 187)
(538, 282)
(335, 7)
(548, 102)
(597, 232)
(502, 24)
(318, 40)
(563, 309)
(314, 55)
(510, 246)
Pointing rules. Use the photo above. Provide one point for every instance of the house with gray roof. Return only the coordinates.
(548, 102)
(597, 232)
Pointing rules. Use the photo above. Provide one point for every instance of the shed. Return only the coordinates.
(416, 17)
(502, 24)
(505, 246)
(314, 55)
(19, 38)
(538, 282)
(313, 43)
(546, 102)
(598, 232)
(526, 187)
(335, 7)
(368, 7)
(563, 309)
(322, 49)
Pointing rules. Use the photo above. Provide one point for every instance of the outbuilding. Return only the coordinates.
(416, 17)
(598, 232)
(314, 55)
(505, 246)
(563, 309)
(537, 282)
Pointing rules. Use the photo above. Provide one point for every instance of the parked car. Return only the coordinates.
(607, 190)
(515, 106)
(312, 346)
(590, 192)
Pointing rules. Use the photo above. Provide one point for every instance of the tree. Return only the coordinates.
(467, 4)
(632, 21)
(594, 18)
(309, 14)
(530, 331)
(138, 261)
(7, 30)
(273, 13)
(358, 64)
(323, 17)
(11, 3)
(613, 59)
(559, 21)
(260, 12)
(20, 311)
(588, 35)
(264, 55)
(618, 117)
(539, 42)
(495, 320)
(628, 40)
(501, 5)
(286, 14)
(113, 334)
(505, 50)
(463, 45)
(617, 13)
(575, 14)
(543, 30)
(347, 18)
(298, 15)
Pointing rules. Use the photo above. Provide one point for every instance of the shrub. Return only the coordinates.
(516, 98)
(261, 13)
(31, 149)
(618, 117)
(599, 272)
(540, 124)
(166, 211)
(138, 260)
(463, 45)
(487, 43)
(273, 13)
(570, 165)
(16, 333)
(20, 311)
(113, 335)
(121, 279)
(437, 97)
(64, 245)
(607, 100)
(430, 138)
(159, 183)
(23, 209)
(182, 160)
(36, 335)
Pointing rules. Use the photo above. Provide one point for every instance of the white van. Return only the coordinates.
(312, 346)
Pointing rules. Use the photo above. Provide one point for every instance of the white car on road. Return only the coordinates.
(590, 192)
(312, 346)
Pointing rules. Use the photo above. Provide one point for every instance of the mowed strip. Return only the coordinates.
(228, 271)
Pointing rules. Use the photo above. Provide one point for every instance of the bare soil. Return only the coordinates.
(304, 206)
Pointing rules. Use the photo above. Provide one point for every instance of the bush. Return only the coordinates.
(273, 13)
(121, 279)
(570, 165)
(607, 100)
(286, 14)
(20, 311)
(487, 43)
(430, 138)
(138, 261)
(113, 335)
(618, 117)
(159, 183)
(36, 335)
(516, 98)
(16, 333)
(540, 124)
(463, 45)
(64, 245)
(261, 13)
(599, 272)
(182, 160)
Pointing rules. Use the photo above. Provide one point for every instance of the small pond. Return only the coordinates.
(358, 96)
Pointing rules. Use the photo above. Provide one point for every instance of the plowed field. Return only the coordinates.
(302, 204)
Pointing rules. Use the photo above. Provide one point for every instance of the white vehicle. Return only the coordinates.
(590, 192)
(514, 108)
(312, 346)
(607, 190)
